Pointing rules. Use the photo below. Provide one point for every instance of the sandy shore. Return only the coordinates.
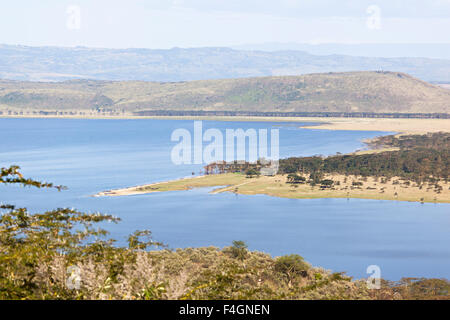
(410, 126)
(147, 188)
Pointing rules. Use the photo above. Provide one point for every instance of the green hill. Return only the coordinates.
(373, 92)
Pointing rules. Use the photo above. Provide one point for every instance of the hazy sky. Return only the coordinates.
(193, 23)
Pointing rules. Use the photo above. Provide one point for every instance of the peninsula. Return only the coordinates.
(401, 167)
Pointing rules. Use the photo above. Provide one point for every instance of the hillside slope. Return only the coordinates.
(374, 92)
(178, 64)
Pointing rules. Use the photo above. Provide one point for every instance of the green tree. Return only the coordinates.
(31, 242)
(326, 183)
(239, 250)
(295, 178)
(291, 266)
(252, 172)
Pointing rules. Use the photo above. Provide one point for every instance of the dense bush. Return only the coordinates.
(429, 160)
(291, 264)
(436, 140)
(238, 250)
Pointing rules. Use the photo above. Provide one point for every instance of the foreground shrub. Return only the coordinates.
(291, 265)
(238, 250)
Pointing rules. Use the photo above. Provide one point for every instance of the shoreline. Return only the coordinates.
(399, 125)
(129, 191)
(418, 195)
(276, 186)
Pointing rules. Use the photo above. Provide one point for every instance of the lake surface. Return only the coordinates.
(88, 156)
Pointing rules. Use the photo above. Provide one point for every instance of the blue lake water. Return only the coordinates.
(88, 156)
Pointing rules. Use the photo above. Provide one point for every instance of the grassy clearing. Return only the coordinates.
(394, 189)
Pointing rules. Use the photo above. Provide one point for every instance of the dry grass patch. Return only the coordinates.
(277, 186)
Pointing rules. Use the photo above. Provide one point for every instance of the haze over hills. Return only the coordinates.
(59, 63)
(371, 92)
(386, 50)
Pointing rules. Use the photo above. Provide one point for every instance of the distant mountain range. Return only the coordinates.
(353, 92)
(58, 64)
(386, 50)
